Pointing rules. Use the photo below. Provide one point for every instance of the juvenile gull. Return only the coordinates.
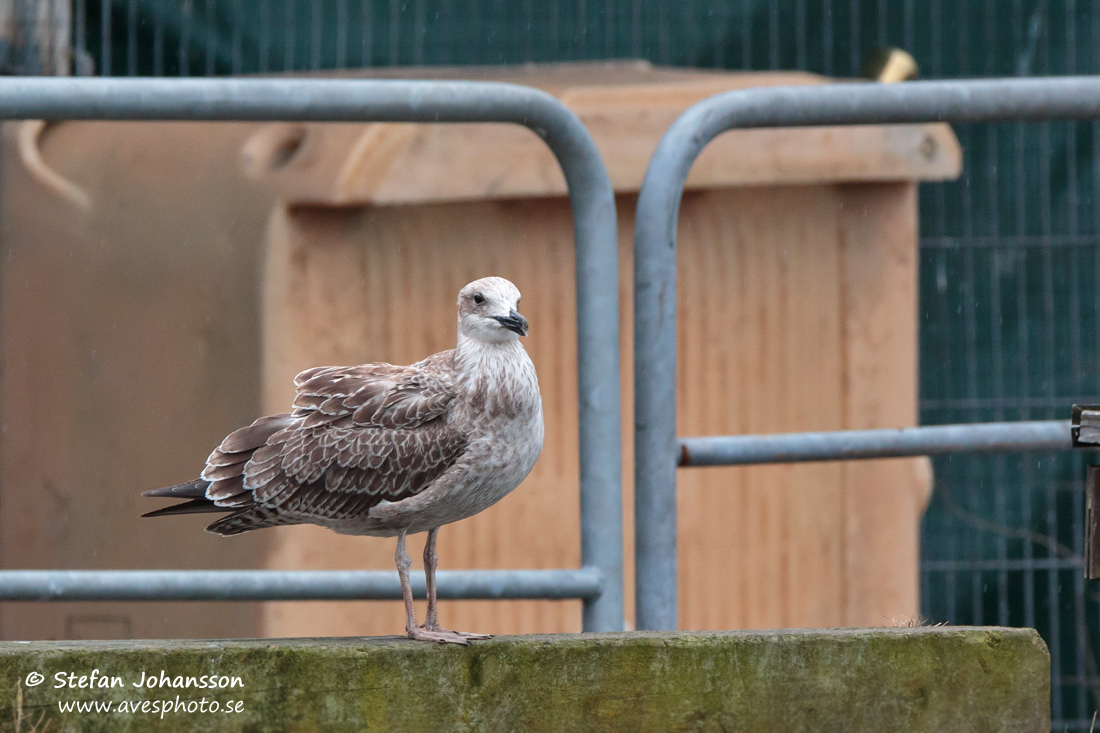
(385, 450)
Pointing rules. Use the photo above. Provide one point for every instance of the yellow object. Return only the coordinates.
(889, 65)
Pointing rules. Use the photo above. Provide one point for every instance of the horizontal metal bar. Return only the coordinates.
(305, 100)
(843, 445)
(1009, 564)
(291, 585)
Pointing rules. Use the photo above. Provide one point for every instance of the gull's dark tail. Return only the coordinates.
(225, 492)
(193, 491)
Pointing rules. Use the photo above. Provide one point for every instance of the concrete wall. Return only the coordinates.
(903, 679)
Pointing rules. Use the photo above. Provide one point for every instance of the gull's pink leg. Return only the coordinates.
(431, 623)
(403, 564)
(420, 633)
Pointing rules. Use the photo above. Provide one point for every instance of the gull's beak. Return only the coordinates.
(513, 322)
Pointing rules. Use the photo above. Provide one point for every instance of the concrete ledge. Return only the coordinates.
(922, 679)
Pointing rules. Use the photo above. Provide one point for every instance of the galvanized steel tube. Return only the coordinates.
(655, 445)
(356, 100)
(289, 585)
(841, 445)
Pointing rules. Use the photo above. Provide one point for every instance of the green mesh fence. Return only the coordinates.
(1010, 254)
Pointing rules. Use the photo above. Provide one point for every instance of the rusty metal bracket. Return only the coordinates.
(1085, 426)
(1085, 429)
(1092, 536)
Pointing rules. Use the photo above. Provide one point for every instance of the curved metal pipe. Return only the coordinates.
(655, 445)
(359, 100)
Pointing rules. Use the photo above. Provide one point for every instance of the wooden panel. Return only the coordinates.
(405, 163)
(760, 351)
(129, 348)
(397, 163)
(766, 294)
(885, 499)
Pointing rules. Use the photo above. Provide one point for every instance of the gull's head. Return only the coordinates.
(488, 310)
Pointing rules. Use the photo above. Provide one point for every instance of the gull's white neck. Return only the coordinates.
(498, 379)
(475, 355)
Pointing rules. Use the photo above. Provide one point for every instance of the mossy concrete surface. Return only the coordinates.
(921, 679)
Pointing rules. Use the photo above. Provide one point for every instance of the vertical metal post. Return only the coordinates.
(655, 447)
(1092, 523)
(593, 202)
(597, 339)
(1085, 430)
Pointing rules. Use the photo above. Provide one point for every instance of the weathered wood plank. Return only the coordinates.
(627, 113)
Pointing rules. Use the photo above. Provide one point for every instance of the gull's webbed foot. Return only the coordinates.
(432, 625)
(443, 636)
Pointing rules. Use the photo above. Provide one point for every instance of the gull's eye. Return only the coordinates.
(479, 298)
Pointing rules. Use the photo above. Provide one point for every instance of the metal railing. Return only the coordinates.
(291, 585)
(657, 450)
(599, 581)
(844, 445)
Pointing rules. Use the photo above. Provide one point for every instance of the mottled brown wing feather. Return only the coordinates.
(376, 395)
(226, 465)
(358, 436)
